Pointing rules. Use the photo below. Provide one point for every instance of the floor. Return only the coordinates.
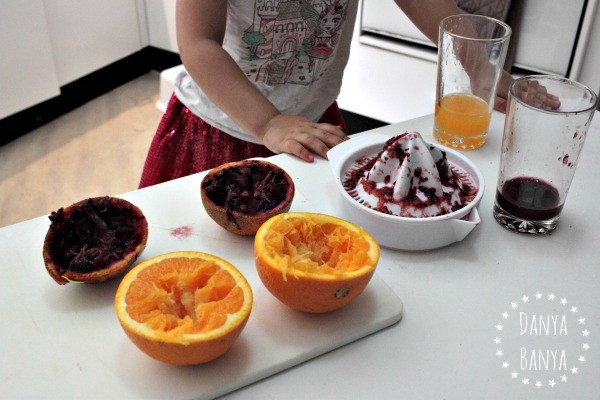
(97, 149)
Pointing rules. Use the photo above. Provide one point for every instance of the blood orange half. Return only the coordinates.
(94, 240)
(241, 195)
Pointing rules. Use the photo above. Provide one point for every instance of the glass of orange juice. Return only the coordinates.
(471, 54)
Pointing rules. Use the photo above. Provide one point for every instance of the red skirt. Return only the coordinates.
(184, 144)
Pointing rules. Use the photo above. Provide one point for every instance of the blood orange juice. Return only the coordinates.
(461, 121)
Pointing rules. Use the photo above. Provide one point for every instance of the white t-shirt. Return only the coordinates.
(294, 51)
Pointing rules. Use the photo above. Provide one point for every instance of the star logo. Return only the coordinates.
(563, 301)
(585, 332)
(574, 370)
(536, 319)
(585, 346)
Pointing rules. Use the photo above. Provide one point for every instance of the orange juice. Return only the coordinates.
(461, 121)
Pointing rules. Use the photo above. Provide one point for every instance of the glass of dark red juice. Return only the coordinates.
(546, 124)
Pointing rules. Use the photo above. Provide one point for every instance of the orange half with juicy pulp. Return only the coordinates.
(184, 307)
(314, 262)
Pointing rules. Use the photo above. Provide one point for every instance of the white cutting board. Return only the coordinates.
(65, 341)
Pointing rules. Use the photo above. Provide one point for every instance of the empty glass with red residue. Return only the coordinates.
(540, 149)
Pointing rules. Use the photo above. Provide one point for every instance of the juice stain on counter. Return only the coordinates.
(182, 232)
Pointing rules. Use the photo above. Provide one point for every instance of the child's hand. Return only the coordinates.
(299, 136)
(537, 95)
(532, 93)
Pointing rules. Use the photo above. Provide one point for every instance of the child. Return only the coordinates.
(262, 77)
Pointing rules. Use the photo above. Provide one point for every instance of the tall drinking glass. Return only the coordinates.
(540, 150)
(471, 54)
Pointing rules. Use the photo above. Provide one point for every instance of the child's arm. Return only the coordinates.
(427, 15)
(200, 32)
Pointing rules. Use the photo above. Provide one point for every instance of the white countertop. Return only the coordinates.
(454, 298)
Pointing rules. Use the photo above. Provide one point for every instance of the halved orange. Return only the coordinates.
(184, 307)
(314, 262)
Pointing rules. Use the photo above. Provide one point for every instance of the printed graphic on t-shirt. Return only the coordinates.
(292, 41)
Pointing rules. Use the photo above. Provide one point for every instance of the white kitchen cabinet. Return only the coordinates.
(548, 32)
(161, 24)
(46, 44)
(590, 62)
(387, 86)
(87, 35)
(394, 80)
(27, 72)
